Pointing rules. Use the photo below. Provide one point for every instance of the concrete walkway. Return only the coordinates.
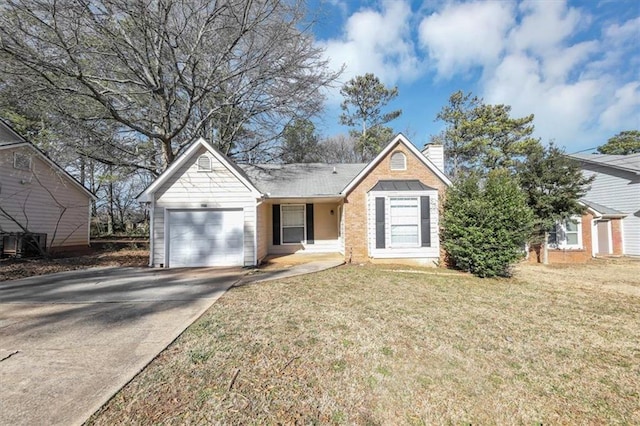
(261, 275)
(69, 341)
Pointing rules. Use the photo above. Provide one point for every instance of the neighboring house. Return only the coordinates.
(596, 233)
(208, 211)
(615, 188)
(38, 195)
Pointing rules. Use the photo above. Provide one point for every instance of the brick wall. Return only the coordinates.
(355, 207)
(616, 237)
(566, 255)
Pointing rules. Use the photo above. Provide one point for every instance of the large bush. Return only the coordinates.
(486, 224)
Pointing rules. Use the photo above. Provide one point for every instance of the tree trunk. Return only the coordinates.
(110, 213)
(167, 153)
(545, 249)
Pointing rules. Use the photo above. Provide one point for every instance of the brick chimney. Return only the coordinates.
(435, 153)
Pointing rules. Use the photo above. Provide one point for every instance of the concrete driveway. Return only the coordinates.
(69, 341)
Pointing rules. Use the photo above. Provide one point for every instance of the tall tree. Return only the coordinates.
(166, 69)
(300, 142)
(554, 185)
(456, 137)
(624, 143)
(364, 98)
(483, 137)
(500, 141)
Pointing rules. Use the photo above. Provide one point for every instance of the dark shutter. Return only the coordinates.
(275, 219)
(425, 221)
(380, 243)
(309, 211)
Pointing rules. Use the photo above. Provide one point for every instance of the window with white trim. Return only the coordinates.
(204, 163)
(398, 161)
(21, 161)
(405, 221)
(566, 234)
(292, 220)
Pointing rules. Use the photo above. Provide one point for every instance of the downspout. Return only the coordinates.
(151, 220)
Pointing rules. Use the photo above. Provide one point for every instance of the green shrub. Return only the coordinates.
(486, 224)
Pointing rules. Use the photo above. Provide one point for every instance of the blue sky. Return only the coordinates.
(574, 64)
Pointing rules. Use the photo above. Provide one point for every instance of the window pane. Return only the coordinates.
(292, 215)
(572, 238)
(404, 221)
(404, 234)
(292, 235)
(571, 226)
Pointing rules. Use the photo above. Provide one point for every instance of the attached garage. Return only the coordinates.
(205, 237)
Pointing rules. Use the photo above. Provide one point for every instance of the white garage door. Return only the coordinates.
(206, 238)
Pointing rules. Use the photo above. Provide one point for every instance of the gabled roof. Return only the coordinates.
(627, 163)
(184, 157)
(21, 141)
(401, 185)
(399, 139)
(301, 180)
(602, 211)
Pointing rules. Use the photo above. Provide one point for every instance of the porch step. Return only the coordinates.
(321, 246)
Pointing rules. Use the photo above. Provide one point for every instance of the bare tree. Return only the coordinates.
(168, 71)
(340, 149)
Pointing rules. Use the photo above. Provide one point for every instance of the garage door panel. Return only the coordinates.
(206, 238)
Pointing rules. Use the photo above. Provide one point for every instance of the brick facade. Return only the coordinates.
(616, 237)
(568, 255)
(355, 204)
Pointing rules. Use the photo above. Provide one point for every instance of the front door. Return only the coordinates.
(603, 237)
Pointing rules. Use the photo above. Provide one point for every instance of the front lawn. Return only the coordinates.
(388, 345)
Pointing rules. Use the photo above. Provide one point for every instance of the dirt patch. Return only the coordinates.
(12, 269)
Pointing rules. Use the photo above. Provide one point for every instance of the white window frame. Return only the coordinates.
(304, 228)
(200, 166)
(561, 235)
(24, 157)
(404, 161)
(418, 224)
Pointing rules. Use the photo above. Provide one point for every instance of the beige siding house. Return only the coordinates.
(38, 196)
(208, 211)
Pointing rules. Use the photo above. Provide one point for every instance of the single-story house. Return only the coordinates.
(598, 232)
(39, 196)
(208, 211)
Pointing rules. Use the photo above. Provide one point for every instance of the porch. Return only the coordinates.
(301, 226)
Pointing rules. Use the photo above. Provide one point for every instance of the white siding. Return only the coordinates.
(424, 254)
(621, 191)
(215, 189)
(43, 200)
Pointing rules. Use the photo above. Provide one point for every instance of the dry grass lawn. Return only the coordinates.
(374, 345)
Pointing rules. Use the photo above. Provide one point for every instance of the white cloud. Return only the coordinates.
(465, 35)
(545, 72)
(623, 112)
(541, 57)
(378, 42)
(544, 25)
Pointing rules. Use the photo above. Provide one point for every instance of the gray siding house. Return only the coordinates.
(616, 186)
(38, 195)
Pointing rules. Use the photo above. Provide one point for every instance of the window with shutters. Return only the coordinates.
(404, 214)
(204, 163)
(292, 220)
(398, 161)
